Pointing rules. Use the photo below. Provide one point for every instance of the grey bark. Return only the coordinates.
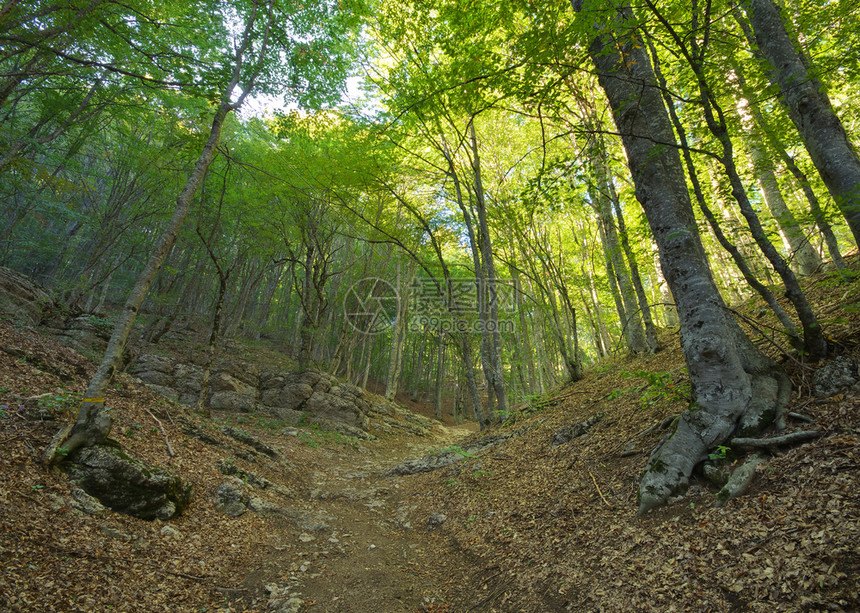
(809, 109)
(732, 380)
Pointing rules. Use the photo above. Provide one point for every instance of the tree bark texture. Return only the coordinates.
(809, 109)
(735, 386)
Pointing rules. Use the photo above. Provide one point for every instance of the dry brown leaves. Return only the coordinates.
(55, 559)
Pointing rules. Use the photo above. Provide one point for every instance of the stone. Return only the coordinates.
(186, 379)
(224, 382)
(167, 392)
(156, 377)
(436, 520)
(149, 362)
(255, 443)
(293, 395)
(834, 377)
(170, 532)
(231, 499)
(335, 408)
(88, 504)
(117, 534)
(568, 433)
(128, 485)
(232, 401)
(21, 297)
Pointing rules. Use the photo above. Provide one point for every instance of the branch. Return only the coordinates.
(170, 451)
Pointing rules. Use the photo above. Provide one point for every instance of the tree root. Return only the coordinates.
(785, 439)
(740, 480)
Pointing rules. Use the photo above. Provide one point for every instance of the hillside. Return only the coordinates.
(521, 525)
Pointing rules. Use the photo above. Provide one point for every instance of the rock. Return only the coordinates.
(155, 377)
(232, 401)
(223, 382)
(342, 428)
(86, 332)
(572, 431)
(117, 534)
(231, 499)
(834, 377)
(128, 485)
(88, 504)
(290, 431)
(291, 396)
(23, 299)
(187, 378)
(265, 508)
(446, 457)
(247, 439)
(170, 532)
(150, 362)
(436, 520)
(336, 408)
(167, 392)
(244, 373)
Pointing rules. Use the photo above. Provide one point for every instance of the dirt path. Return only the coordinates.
(364, 551)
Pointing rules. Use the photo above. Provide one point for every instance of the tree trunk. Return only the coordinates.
(809, 108)
(94, 423)
(730, 248)
(734, 384)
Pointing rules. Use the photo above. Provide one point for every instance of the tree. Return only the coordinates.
(734, 385)
(810, 110)
(252, 66)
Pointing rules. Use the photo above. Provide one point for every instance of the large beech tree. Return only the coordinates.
(735, 386)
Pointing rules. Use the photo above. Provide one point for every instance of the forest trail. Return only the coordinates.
(373, 554)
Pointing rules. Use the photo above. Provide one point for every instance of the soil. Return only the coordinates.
(529, 526)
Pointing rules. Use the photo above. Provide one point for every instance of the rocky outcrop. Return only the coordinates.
(309, 396)
(447, 456)
(128, 485)
(22, 298)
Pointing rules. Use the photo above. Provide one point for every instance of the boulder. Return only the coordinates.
(245, 372)
(156, 377)
(225, 382)
(128, 485)
(149, 362)
(292, 396)
(186, 378)
(836, 376)
(335, 408)
(167, 392)
(231, 499)
(232, 401)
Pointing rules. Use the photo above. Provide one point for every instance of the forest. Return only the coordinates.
(468, 205)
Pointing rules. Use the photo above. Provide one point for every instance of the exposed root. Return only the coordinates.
(786, 439)
(740, 479)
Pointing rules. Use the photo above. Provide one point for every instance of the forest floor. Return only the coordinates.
(529, 526)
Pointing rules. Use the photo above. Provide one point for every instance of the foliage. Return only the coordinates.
(661, 387)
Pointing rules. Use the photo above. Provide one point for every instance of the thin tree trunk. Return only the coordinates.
(94, 423)
(809, 108)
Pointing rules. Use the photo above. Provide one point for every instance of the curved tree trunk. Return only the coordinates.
(734, 384)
